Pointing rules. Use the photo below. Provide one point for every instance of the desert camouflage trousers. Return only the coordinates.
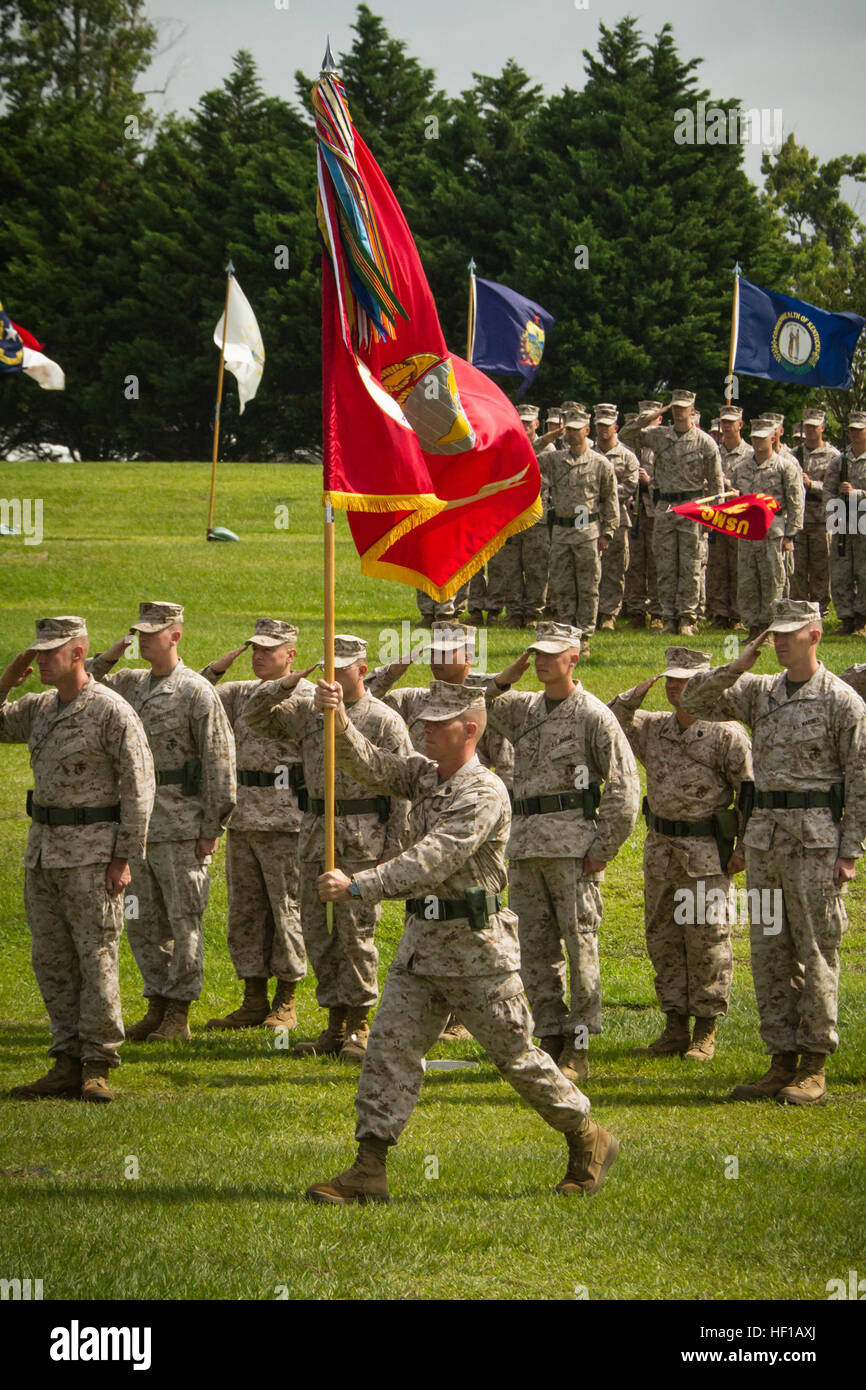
(795, 957)
(810, 581)
(412, 1013)
(641, 591)
(692, 960)
(172, 888)
(559, 914)
(763, 573)
(264, 931)
(75, 928)
(680, 549)
(446, 609)
(575, 572)
(517, 574)
(614, 563)
(721, 576)
(848, 578)
(346, 961)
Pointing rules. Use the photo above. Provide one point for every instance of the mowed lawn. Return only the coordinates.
(707, 1200)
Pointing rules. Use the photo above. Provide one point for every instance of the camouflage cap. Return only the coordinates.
(555, 637)
(56, 632)
(568, 406)
(731, 412)
(528, 412)
(696, 416)
(272, 632)
(761, 429)
(682, 398)
(577, 420)
(554, 417)
(773, 416)
(797, 432)
(446, 701)
(156, 617)
(682, 662)
(716, 424)
(857, 420)
(606, 413)
(789, 615)
(645, 406)
(452, 637)
(348, 650)
(814, 415)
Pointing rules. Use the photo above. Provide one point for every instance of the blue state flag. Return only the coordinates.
(510, 332)
(785, 339)
(11, 346)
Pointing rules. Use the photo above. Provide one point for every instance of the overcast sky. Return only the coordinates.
(805, 57)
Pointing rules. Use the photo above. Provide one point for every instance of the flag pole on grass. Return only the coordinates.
(329, 66)
(230, 270)
(735, 323)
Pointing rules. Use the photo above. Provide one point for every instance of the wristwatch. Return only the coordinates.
(354, 890)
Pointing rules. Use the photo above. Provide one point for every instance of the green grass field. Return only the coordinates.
(228, 1131)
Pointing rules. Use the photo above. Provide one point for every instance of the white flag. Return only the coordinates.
(41, 368)
(245, 351)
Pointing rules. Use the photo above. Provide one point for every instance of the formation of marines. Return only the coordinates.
(138, 772)
(611, 546)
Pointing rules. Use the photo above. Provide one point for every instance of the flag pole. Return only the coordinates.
(470, 322)
(230, 270)
(735, 324)
(329, 66)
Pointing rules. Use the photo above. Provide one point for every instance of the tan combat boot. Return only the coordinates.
(330, 1040)
(252, 1012)
(703, 1041)
(591, 1151)
(675, 1039)
(94, 1085)
(607, 624)
(366, 1180)
(782, 1072)
(809, 1086)
(282, 1014)
(175, 1024)
(656, 625)
(63, 1080)
(552, 1044)
(354, 1049)
(688, 629)
(139, 1032)
(454, 1031)
(573, 1062)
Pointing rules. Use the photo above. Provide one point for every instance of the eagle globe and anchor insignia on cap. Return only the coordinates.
(532, 342)
(796, 342)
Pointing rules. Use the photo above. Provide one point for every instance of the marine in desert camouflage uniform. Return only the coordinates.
(694, 770)
(615, 560)
(687, 466)
(576, 797)
(640, 598)
(366, 830)
(458, 951)
(93, 789)
(809, 753)
(264, 928)
(722, 550)
(845, 485)
(811, 577)
(763, 566)
(517, 572)
(194, 755)
(584, 515)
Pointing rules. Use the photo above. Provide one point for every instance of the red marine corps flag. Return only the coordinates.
(423, 451)
(745, 518)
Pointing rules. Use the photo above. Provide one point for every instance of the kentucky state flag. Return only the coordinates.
(510, 332)
(785, 339)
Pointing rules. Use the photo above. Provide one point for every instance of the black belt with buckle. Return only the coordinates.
(70, 815)
(796, 801)
(586, 801)
(449, 909)
(678, 828)
(572, 520)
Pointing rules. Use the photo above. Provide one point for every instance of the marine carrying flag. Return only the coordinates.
(426, 455)
(784, 339)
(748, 517)
(510, 332)
(245, 351)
